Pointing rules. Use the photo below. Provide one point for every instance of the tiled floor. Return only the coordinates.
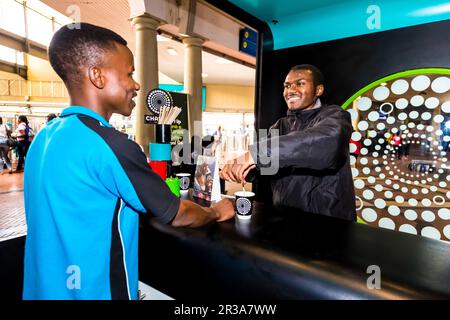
(12, 213)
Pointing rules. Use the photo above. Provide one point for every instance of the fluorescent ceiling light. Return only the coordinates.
(172, 51)
(222, 61)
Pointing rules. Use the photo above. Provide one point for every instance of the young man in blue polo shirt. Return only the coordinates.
(86, 183)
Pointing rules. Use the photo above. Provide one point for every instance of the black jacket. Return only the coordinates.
(315, 174)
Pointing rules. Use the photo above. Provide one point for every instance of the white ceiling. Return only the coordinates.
(114, 15)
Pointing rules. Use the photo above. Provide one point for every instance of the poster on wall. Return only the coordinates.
(180, 100)
(158, 99)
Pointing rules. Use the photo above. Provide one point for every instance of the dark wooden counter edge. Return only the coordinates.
(286, 258)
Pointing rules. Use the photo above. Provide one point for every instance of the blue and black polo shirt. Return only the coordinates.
(85, 184)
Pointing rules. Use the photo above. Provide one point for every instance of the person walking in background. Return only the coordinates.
(4, 147)
(22, 134)
(51, 116)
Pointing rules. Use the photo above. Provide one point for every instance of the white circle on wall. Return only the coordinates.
(366, 171)
(413, 202)
(438, 118)
(387, 108)
(388, 194)
(386, 223)
(379, 188)
(381, 93)
(444, 214)
(407, 228)
(369, 214)
(380, 203)
(401, 103)
(352, 147)
(356, 136)
(352, 160)
(446, 107)
(424, 190)
(441, 85)
(363, 125)
(353, 114)
(410, 215)
(446, 231)
(355, 172)
(402, 116)
(390, 120)
(426, 116)
(413, 115)
(399, 199)
(432, 102)
(426, 202)
(428, 216)
(368, 194)
(359, 184)
(417, 101)
(373, 116)
(430, 232)
(367, 142)
(364, 161)
(399, 86)
(420, 83)
(438, 200)
(364, 103)
(404, 189)
(393, 210)
(364, 151)
(432, 188)
(381, 125)
(371, 179)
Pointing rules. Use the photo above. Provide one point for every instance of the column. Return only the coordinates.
(193, 82)
(146, 65)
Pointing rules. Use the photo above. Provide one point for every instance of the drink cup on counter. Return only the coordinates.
(185, 181)
(244, 204)
(174, 185)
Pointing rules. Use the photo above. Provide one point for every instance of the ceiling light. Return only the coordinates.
(160, 38)
(222, 61)
(204, 75)
(172, 51)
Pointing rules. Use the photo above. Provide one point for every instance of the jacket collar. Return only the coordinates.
(75, 110)
(317, 105)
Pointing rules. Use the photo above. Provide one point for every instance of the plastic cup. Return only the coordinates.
(174, 185)
(244, 204)
(185, 181)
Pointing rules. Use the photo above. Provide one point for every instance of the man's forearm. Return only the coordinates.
(192, 215)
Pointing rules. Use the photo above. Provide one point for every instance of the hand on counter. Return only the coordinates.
(239, 168)
(225, 209)
(192, 215)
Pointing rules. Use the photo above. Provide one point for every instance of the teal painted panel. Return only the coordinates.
(330, 20)
(180, 88)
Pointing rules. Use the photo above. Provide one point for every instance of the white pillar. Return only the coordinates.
(146, 65)
(193, 82)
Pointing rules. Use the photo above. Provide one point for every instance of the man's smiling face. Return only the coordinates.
(300, 93)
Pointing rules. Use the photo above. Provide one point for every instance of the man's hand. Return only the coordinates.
(225, 209)
(192, 215)
(238, 169)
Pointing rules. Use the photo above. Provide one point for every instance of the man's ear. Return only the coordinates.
(96, 77)
(319, 90)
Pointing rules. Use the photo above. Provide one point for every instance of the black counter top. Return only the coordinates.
(289, 254)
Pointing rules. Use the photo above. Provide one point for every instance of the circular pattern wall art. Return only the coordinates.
(399, 153)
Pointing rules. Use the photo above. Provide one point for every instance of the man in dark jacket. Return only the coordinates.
(313, 150)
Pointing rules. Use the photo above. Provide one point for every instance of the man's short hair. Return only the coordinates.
(74, 47)
(317, 74)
